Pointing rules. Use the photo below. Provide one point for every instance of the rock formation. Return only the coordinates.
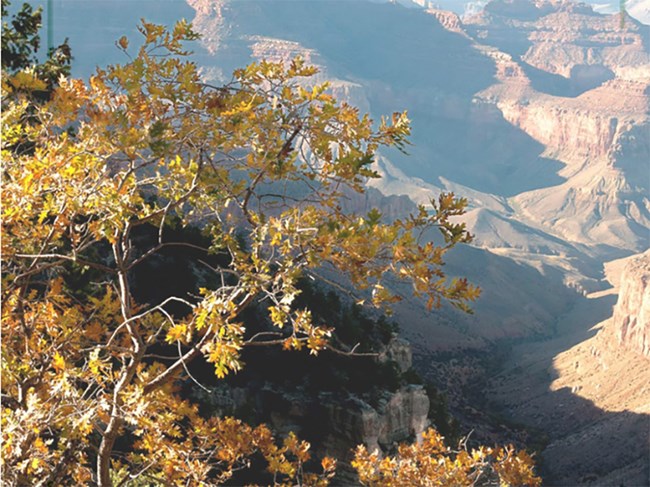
(334, 422)
(576, 82)
(590, 399)
(632, 312)
(563, 38)
(398, 417)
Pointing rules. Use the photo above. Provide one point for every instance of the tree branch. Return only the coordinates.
(155, 249)
(69, 258)
(190, 355)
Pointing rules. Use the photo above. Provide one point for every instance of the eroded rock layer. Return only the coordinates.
(632, 312)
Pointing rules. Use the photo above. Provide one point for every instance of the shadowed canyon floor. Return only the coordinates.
(580, 398)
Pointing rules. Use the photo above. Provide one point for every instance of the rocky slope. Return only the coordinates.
(589, 401)
(349, 421)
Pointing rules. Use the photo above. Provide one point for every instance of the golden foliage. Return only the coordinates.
(146, 143)
(432, 463)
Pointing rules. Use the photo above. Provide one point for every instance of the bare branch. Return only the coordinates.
(180, 357)
(63, 257)
(155, 249)
(158, 307)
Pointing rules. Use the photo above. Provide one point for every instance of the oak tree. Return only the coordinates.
(90, 390)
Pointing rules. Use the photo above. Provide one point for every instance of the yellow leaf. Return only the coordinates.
(42, 216)
(328, 464)
(58, 362)
(278, 316)
(176, 333)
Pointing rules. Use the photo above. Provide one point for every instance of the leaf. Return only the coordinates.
(123, 42)
(278, 316)
(58, 362)
(176, 333)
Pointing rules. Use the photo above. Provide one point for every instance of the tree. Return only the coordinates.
(91, 376)
(21, 41)
(433, 463)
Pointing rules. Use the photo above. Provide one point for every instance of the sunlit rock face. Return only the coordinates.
(563, 38)
(632, 311)
(577, 82)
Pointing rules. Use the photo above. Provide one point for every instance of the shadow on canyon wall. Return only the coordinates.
(582, 79)
(507, 391)
(394, 52)
(581, 442)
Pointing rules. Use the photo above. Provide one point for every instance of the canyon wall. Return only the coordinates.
(632, 312)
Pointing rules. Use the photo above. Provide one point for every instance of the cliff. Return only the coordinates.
(396, 418)
(334, 423)
(377, 414)
(632, 312)
(576, 82)
(574, 129)
(563, 38)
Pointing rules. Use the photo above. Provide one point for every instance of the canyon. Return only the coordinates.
(537, 112)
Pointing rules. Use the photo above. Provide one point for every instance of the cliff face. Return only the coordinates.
(448, 20)
(576, 82)
(561, 127)
(591, 126)
(396, 418)
(334, 422)
(585, 74)
(632, 312)
(563, 38)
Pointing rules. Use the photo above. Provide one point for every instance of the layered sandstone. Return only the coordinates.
(590, 126)
(577, 82)
(563, 38)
